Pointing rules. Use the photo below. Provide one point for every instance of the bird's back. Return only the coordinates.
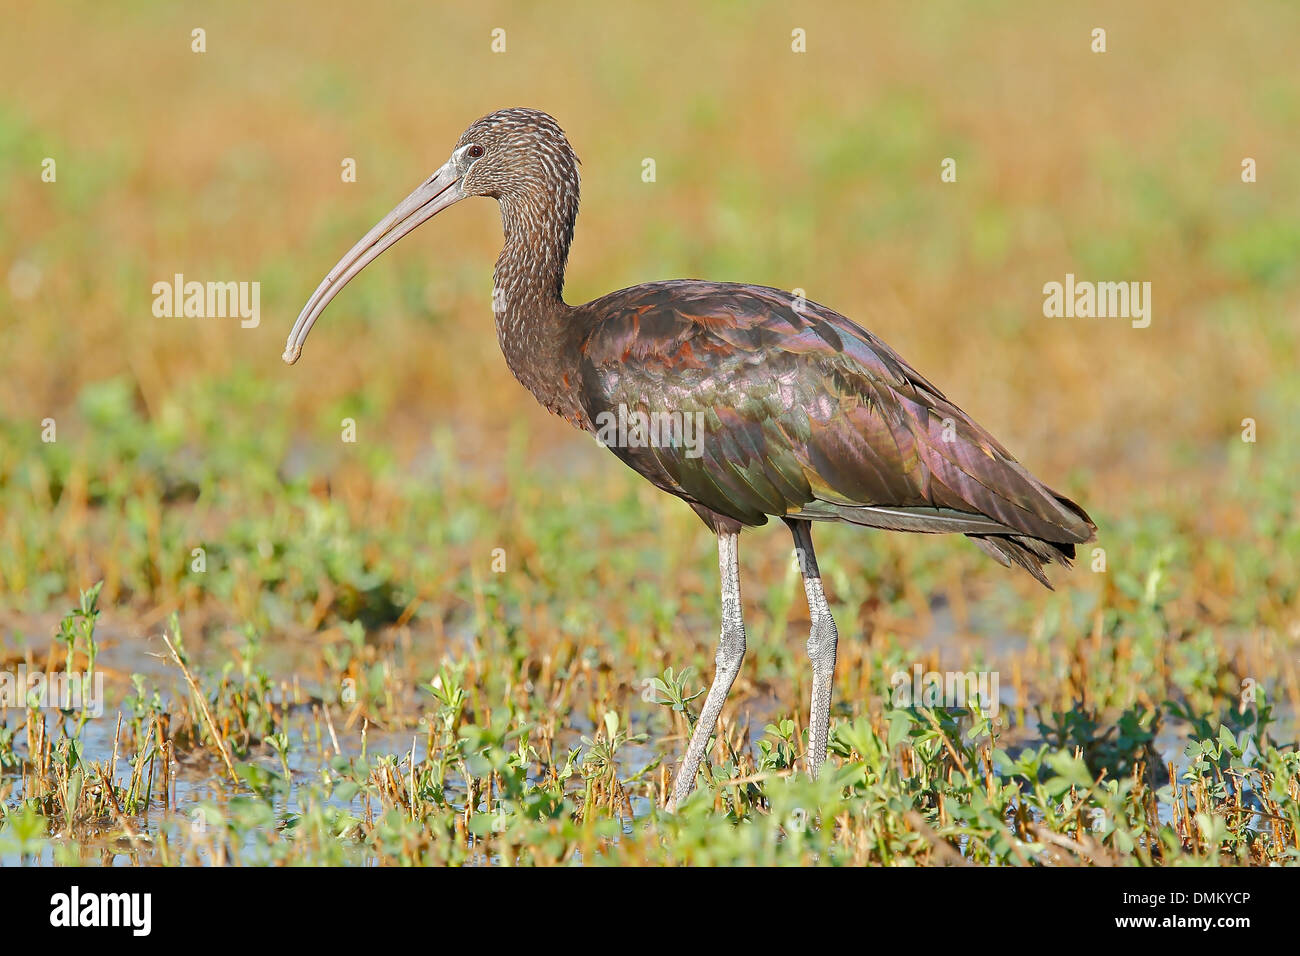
(801, 412)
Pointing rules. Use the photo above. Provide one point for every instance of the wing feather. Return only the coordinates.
(804, 412)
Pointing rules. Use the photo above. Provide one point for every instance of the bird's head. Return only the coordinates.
(519, 157)
(512, 153)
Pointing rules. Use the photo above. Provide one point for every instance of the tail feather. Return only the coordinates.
(1028, 553)
(1032, 553)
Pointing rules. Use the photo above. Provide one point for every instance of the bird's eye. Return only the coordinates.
(475, 151)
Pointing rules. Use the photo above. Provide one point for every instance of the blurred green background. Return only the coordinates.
(817, 170)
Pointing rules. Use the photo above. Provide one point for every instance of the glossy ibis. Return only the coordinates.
(803, 415)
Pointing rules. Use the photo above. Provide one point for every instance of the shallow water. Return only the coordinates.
(127, 648)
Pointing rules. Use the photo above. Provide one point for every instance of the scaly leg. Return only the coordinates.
(731, 652)
(821, 644)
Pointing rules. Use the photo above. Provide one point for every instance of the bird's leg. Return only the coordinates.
(731, 652)
(821, 644)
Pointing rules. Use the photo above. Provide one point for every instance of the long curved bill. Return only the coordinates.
(434, 195)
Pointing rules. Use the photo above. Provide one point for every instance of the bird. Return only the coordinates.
(746, 402)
